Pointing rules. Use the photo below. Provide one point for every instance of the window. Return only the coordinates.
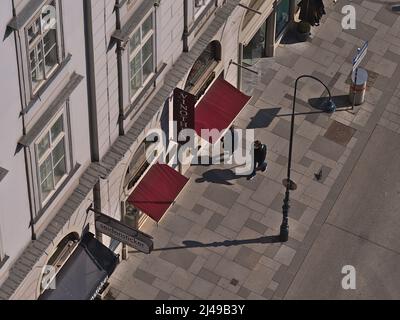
(199, 6)
(203, 67)
(43, 45)
(282, 16)
(139, 164)
(141, 59)
(62, 253)
(52, 160)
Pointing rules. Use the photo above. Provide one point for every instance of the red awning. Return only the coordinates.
(219, 107)
(157, 191)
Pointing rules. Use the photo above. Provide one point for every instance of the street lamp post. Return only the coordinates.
(329, 106)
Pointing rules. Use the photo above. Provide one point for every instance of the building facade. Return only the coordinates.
(84, 82)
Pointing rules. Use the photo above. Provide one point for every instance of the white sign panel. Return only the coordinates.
(122, 233)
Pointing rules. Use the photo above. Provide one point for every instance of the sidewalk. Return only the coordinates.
(217, 241)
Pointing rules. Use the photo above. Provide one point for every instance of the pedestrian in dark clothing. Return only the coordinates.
(260, 155)
(311, 11)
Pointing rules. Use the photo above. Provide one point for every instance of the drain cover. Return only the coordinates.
(340, 133)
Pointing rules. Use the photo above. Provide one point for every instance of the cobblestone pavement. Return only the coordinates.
(217, 241)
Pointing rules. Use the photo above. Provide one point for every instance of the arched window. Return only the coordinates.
(62, 253)
(203, 68)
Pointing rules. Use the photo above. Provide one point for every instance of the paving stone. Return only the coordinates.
(285, 255)
(256, 226)
(215, 222)
(236, 217)
(222, 294)
(140, 290)
(296, 208)
(253, 184)
(283, 161)
(327, 148)
(144, 276)
(182, 295)
(198, 209)
(231, 285)
(267, 192)
(177, 224)
(386, 17)
(181, 258)
(339, 133)
(208, 275)
(259, 279)
(247, 258)
(181, 278)
(306, 162)
(229, 269)
(268, 293)
(282, 129)
(362, 32)
(244, 292)
(270, 263)
(212, 261)
(317, 191)
(308, 130)
(158, 267)
(201, 288)
(339, 42)
(221, 195)
(162, 296)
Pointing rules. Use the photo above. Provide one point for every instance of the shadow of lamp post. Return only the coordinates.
(328, 106)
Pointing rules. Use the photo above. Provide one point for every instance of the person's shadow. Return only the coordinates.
(219, 176)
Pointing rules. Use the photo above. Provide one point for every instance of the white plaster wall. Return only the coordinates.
(14, 206)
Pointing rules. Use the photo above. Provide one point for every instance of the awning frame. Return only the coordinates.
(204, 143)
(155, 162)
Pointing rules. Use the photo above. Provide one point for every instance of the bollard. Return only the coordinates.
(358, 90)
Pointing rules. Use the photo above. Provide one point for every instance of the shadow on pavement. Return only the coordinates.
(340, 101)
(263, 118)
(219, 176)
(228, 243)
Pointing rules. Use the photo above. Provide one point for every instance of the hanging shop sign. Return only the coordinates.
(124, 234)
(184, 110)
(361, 53)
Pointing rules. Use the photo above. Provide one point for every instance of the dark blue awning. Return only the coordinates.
(85, 272)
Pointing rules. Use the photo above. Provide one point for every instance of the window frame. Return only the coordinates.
(33, 91)
(201, 9)
(63, 112)
(138, 50)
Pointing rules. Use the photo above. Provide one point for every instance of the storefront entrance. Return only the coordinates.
(256, 48)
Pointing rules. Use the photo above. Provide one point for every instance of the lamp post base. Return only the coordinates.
(284, 235)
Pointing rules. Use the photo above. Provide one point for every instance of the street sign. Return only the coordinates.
(121, 232)
(361, 53)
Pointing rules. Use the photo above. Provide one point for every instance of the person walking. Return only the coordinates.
(260, 155)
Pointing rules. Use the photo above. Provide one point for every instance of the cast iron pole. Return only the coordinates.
(284, 233)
